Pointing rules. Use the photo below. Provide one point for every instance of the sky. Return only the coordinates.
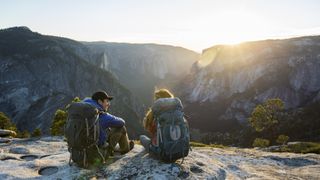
(193, 24)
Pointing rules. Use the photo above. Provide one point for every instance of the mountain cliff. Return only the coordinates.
(228, 81)
(141, 67)
(39, 74)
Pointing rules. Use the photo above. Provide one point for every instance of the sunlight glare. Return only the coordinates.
(238, 26)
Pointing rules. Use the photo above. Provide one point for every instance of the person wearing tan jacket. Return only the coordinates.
(149, 122)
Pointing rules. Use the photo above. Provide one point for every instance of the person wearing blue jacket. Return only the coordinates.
(112, 128)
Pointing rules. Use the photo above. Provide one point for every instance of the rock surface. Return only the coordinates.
(4, 140)
(5, 133)
(51, 160)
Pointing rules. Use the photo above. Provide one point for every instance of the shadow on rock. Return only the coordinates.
(30, 157)
(48, 170)
(295, 162)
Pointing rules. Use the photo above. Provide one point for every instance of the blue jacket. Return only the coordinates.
(106, 120)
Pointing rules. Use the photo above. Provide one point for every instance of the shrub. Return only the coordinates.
(282, 139)
(267, 115)
(5, 123)
(301, 147)
(23, 134)
(58, 123)
(59, 120)
(198, 144)
(36, 132)
(76, 99)
(259, 142)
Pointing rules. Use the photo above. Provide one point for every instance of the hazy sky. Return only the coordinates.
(194, 24)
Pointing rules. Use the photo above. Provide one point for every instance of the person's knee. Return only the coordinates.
(124, 129)
(121, 130)
(145, 142)
(143, 137)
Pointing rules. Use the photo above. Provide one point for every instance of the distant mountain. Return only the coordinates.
(142, 67)
(39, 74)
(227, 82)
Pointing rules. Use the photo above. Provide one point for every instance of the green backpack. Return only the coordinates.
(82, 134)
(172, 130)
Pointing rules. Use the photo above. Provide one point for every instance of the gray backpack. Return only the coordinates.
(172, 130)
(82, 134)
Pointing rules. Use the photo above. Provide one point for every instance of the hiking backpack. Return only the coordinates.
(172, 130)
(82, 134)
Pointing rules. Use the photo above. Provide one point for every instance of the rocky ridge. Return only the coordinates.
(39, 74)
(229, 81)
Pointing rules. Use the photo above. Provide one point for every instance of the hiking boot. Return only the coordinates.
(110, 151)
(145, 142)
(131, 145)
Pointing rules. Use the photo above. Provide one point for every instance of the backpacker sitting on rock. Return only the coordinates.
(168, 128)
(92, 133)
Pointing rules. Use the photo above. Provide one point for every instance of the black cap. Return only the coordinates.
(102, 95)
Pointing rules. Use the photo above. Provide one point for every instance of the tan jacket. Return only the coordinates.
(148, 121)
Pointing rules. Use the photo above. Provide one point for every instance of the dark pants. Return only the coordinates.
(95, 156)
(119, 135)
(115, 136)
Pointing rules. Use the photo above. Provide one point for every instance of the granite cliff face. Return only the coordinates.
(141, 67)
(229, 81)
(39, 74)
